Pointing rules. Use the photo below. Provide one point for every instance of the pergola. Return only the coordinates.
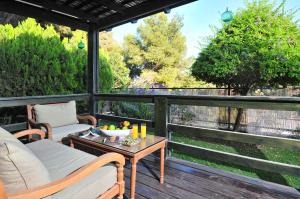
(91, 16)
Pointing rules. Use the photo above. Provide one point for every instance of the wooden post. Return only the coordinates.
(93, 63)
(161, 118)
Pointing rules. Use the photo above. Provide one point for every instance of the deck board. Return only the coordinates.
(192, 181)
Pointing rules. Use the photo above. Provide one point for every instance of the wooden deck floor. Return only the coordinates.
(184, 180)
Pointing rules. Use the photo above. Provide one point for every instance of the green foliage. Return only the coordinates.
(106, 74)
(157, 53)
(116, 59)
(159, 43)
(260, 46)
(34, 61)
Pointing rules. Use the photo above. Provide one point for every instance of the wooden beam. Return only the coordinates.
(250, 162)
(42, 14)
(125, 97)
(144, 9)
(114, 118)
(250, 102)
(22, 101)
(66, 2)
(49, 5)
(93, 66)
(82, 4)
(198, 132)
(113, 6)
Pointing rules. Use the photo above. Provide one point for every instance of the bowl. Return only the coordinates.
(120, 133)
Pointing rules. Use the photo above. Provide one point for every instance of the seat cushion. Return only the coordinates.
(61, 161)
(56, 114)
(59, 133)
(20, 169)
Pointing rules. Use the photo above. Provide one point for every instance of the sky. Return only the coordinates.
(197, 18)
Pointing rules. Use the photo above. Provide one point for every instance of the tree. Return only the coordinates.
(34, 61)
(259, 47)
(159, 43)
(158, 50)
(115, 58)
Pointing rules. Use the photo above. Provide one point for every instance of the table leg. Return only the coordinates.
(162, 165)
(133, 178)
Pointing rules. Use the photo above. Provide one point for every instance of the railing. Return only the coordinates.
(163, 127)
(23, 101)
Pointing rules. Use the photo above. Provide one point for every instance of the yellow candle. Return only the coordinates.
(135, 132)
(143, 130)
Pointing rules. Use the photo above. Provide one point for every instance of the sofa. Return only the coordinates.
(47, 169)
(58, 120)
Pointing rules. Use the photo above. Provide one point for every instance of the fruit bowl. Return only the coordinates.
(121, 133)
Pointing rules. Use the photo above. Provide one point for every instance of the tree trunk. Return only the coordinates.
(240, 112)
(229, 109)
(238, 119)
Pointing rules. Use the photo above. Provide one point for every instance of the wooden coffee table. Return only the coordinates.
(134, 153)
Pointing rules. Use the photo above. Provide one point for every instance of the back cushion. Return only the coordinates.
(20, 169)
(56, 114)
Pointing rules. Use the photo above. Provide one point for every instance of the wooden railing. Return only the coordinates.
(23, 101)
(163, 127)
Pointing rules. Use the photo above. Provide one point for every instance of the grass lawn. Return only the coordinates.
(263, 152)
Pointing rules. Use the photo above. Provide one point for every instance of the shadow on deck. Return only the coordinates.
(185, 180)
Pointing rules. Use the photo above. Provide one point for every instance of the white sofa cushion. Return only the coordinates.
(56, 114)
(59, 133)
(61, 161)
(19, 168)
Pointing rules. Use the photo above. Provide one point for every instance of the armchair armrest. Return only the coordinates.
(46, 126)
(58, 185)
(30, 132)
(89, 118)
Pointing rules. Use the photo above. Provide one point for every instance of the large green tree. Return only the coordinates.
(34, 61)
(159, 43)
(261, 46)
(157, 53)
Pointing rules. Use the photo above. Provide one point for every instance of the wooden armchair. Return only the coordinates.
(58, 185)
(32, 122)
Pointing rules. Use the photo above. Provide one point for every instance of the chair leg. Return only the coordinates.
(121, 183)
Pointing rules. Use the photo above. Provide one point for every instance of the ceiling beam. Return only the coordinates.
(144, 9)
(113, 6)
(82, 4)
(41, 14)
(66, 2)
(60, 8)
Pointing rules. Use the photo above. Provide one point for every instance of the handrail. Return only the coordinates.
(22, 101)
(206, 97)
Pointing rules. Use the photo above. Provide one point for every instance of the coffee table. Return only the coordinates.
(133, 153)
